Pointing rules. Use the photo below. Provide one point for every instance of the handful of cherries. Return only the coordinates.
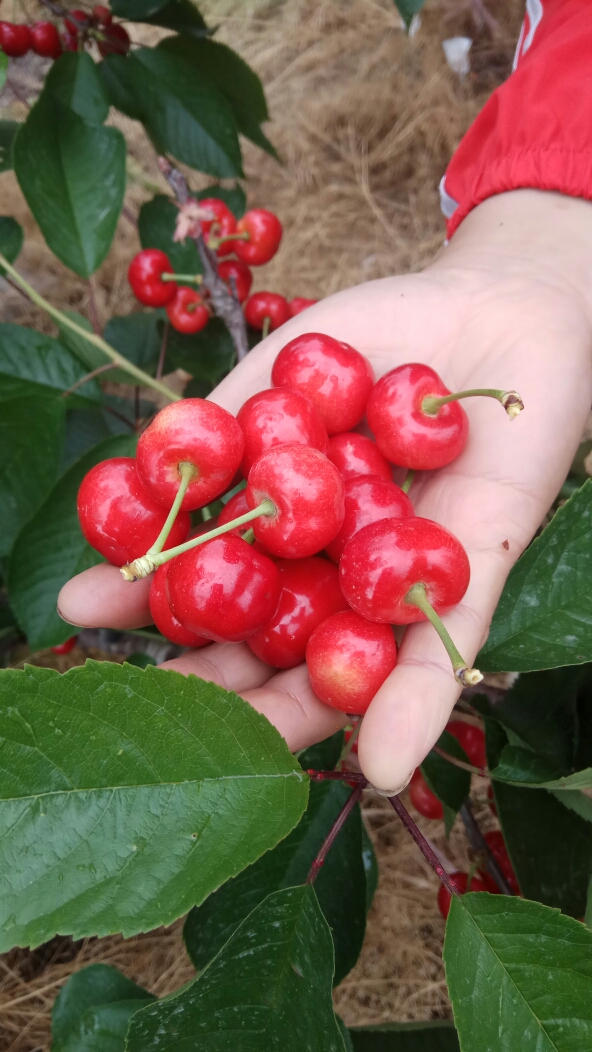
(320, 553)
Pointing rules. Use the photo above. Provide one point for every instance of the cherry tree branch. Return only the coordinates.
(480, 845)
(427, 852)
(338, 824)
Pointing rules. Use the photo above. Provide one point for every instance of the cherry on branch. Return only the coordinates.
(472, 740)
(425, 802)
(279, 416)
(461, 883)
(221, 225)
(266, 306)
(113, 40)
(236, 273)
(145, 277)
(263, 232)
(15, 40)
(45, 40)
(187, 311)
(348, 659)
(298, 304)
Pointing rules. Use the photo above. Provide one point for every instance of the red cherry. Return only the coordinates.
(187, 312)
(102, 15)
(265, 233)
(405, 433)
(15, 40)
(45, 40)
(384, 560)
(144, 276)
(354, 454)
(298, 304)
(236, 506)
(223, 222)
(422, 797)
(117, 40)
(472, 740)
(368, 499)
(497, 846)
(459, 880)
(67, 646)
(309, 594)
(193, 431)
(243, 279)
(491, 799)
(223, 589)
(275, 417)
(118, 517)
(348, 659)
(307, 492)
(78, 22)
(163, 616)
(264, 305)
(337, 378)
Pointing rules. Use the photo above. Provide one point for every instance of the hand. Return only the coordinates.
(504, 306)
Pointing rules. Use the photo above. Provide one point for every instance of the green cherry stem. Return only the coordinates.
(187, 472)
(214, 241)
(417, 596)
(266, 327)
(196, 279)
(249, 536)
(510, 400)
(406, 485)
(147, 563)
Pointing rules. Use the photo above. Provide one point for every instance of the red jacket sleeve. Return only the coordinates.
(536, 129)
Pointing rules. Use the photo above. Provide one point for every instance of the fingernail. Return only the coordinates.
(392, 792)
(60, 614)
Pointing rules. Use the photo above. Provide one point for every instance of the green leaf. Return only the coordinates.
(3, 69)
(140, 660)
(324, 755)
(450, 784)
(34, 364)
(370, 863)
(181, 15)
(544, 616)
(521, 767)
(519, 975)
(268, 988)
(51, 549)
(156, 226)
(408, 8)
(92, 1011)
(137, 337)
(75, 82)
(128, 795)
(234, 197)
(11, 238)
(31, 441)
(208, 356)
(8, 130)
(340, 885)
(405, 1037)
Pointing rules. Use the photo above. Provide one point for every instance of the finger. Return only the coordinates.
(100, 598)
(289, 703)
(230, 665)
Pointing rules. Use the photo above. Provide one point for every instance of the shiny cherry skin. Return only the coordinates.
(243, 279)
(102, 15)
(66, 647)
(45, 40)
(348, 659)
(368, 498)
(223, 222)
(336, 377)
(265, 233)
(223, 589)
(404, 432)
(262, 305)
(279, 416)
(15, 40)
(307, 492)
(118, 517)
(423, 799)
(187, 312)
(310, 593)
(354, 454)
(194, 431)
(233, 508)
(163, 616)
(384, 560)
(144, 276)
(497, 846)
(459, 880)
(78, 21)
(117, 40)
(472, 740)
(298, 304)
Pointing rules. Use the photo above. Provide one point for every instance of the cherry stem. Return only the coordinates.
(187, 473)
(479, 844)
(197, 279)
(265, 327)
(417, 596)
(347, 748)
(335, 776)
(510, 400)
(427, 852)
(214, 240)
(406, 485)
(249, 536)
(144, 566)
(481, 771)
(334, 831)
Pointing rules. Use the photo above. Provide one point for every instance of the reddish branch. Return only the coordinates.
(420, 840)
(481, 847)
(338, 824)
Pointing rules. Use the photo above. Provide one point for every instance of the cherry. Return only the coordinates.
(266, 305)
(45, 40)
(298, 304)
(163, 616)
(265, 233)
(309, 594)
(78, 22)
(459, 881)
(279, 416)
(368, 498)
(145, 277)
(243, 279)
(15, 40)
(118, 517)
(354, 454)
(187, 312)
(67, 646)
(221, 225)
(423, 799)
(233, 508)
(196, 432)
(307, 494)
(472, 740)
(117, 40)
(337, 378)
(102, 15)
(348, 659)
(497, 846)
(223, 589)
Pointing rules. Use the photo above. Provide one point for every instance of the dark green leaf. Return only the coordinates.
(75, 82)
(406, 1037)
(450, 784)
(51, 549)
(90, 356)
(92, 1011)
(208, 356)
(31, 441)
(156, 226)
(521, 767)
(137, 337)
(85, 428)
(345, 1034)
(128, 795)
(11, 238)
(544, 616)
(3, 69)
(324, 755)
(340, 885)
(8, 130)
(181, 15)
(140, 660)
(268, 988)
(370, 863)
(408, 8)
(235, 197)
(519, 975)
(31, 363)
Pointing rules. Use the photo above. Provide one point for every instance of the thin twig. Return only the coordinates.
(335, 776)
(56, 9)
(119, 416)
(338, 824)
(349, 744)
(129, 215)
(163, 350)
(420, 840)
(482, 771)
(89, 376)
(480, 845)
(92, 302)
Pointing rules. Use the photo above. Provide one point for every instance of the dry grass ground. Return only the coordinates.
(365, 121)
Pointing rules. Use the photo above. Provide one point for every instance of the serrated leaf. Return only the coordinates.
(544, 616)
(268, 988)
(208, 356)
(128, 795)
(340, 885)
(74, 81)
(34, 364)
(181, 15)
(519, 975)
(8, 130)
(521, 767)
(51, 549)
(450, 784)
(156, 226)
(11, 238)
(92, 1011)
(405, 1037)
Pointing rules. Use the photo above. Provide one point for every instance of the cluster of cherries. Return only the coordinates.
(44, 38)
(320, 553)
(250, 242)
